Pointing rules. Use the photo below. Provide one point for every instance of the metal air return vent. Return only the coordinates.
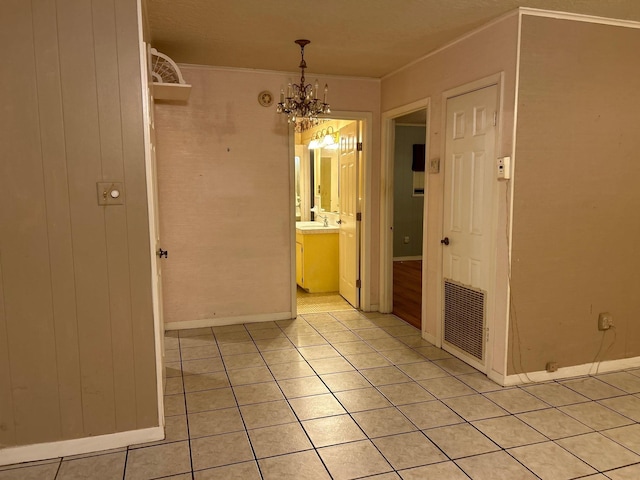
(464, 318)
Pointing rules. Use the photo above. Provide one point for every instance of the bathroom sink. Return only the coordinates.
(316, 227)
(306, 225)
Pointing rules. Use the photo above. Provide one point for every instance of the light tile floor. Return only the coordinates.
(347, 395)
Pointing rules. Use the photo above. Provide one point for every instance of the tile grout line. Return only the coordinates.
(340, 355)
(186, 408)
(350, 414)
(235, 397)
(313, 447)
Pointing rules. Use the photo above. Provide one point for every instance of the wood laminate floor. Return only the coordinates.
(407, 291)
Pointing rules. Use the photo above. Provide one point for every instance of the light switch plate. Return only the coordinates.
(503, 166)
(110, 193)
(434, 165)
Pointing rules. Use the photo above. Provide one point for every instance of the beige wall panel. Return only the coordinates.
(78, 70)
(482, 54)
(76, 327)
(575, 232)
(137, 214)
(223, 177)
(23, 239)
(7, 424)
(115, 217)
(58, 217)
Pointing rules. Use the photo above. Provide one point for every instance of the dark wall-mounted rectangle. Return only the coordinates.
(418, 157)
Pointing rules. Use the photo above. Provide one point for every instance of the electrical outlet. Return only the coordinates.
(552, 366)
(605, 321)
(406, 239)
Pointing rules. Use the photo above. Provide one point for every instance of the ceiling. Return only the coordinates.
(348, 37)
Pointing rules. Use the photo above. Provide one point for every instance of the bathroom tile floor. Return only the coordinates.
(347, 395)
(320, 302)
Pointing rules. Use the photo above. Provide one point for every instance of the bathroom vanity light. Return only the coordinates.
(302, 104)
(330, 139)
(324, 138)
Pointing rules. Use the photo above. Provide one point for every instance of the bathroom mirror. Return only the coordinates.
(325, 179)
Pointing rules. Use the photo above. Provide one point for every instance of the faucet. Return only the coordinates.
(316, 210)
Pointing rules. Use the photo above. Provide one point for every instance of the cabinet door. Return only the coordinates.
(299, 265)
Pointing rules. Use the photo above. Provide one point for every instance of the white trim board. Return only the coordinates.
(260, 71)
(566, 372)
(152, 209)
(431, 338)
(387, 145)
(218, 322)
(77, 446)
(578, 17)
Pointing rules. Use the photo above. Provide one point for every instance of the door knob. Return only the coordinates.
(162, 253)
(445, 241)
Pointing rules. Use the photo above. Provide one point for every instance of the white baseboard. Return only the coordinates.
(77, 446)
(218, 322)
(407, 259)
(566, 372)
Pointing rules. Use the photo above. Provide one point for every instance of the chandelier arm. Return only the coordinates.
(301, 104)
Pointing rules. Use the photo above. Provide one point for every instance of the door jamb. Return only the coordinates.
(386, 199)
(365, 133)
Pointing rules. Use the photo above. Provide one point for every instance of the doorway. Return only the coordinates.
(410, 134)
(403, 212)
(328, 206)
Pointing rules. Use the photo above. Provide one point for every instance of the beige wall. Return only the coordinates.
(576, 231)
(224, 193)
(76, 330)
(484, 53)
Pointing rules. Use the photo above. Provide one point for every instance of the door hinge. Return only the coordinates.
(359, 217)
(359, 146)
(486, 334)
(495, 118)
(358, 284)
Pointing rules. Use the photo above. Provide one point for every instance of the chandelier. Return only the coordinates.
(302, 104)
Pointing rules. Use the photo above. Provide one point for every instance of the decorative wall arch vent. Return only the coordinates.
(168, 83)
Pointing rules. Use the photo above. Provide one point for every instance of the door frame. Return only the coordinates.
(386, 200)
(365, 132)
(495, 275)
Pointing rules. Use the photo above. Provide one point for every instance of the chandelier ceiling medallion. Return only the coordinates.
(302, 104)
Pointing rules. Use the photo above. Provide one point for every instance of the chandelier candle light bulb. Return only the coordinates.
(302, 104)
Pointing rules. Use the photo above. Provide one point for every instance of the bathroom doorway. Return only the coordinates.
(328, 179)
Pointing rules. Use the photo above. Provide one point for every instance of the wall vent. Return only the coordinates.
(168, 83)
(464, 318)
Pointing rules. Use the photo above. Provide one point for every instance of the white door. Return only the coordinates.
(160, 254)
(469, 176)
(152, 198)
(349, 226)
